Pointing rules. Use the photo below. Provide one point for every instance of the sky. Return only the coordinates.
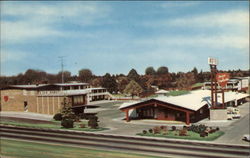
(116, 36)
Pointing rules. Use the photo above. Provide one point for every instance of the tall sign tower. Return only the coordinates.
(213, 67)
(217, 79)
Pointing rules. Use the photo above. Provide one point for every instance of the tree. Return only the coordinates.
(32, 76)
(162, 70)
(66, 76)
(150, 71)
(97, 82)
(133, 75)
(122, 82)
(195, 72)
(85, 75)
(133, 88)
(186, 80)
(68, 116)
(109, 83)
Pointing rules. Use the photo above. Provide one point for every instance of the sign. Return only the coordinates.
(212, 61)
(222, 79)
(5, 98)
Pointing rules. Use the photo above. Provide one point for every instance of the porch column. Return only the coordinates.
(187, 118)
(127, 116)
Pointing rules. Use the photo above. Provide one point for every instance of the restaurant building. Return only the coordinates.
(188, 108)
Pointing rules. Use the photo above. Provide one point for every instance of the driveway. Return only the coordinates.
(235, 131)
(111, 117)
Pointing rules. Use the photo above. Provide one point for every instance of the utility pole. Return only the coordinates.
(62, 65)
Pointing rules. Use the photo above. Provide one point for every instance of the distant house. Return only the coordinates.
(187, 108)
(240, 84)
(48, 98)
(161, 92)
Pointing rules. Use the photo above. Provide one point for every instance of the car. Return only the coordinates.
(233, 113)
(246, 137)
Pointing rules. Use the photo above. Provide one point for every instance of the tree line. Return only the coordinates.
(120, 83)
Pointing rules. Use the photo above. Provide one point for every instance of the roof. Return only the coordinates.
(37, 86)
(71, 84)
(193, 101)
(28, 86)
(162, 91)
(64, 92)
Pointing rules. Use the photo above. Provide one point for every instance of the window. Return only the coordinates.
(78, 100)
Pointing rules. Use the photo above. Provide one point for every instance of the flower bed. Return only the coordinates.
(199, 132)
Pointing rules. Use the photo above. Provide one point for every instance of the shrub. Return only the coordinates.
(156, 130)
(77, 119)
(173, 128)
(203, 134)
(58, 117)
(198, 128)
(144, 132)
(217, 128)
(212, 131)
(183, 132)
(82, 125)
(67, 123)
(150, 130)
(93, 122)
(163, 127)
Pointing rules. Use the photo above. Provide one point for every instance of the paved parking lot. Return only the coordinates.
(111, 117)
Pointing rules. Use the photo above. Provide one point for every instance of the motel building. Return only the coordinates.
(48, 98)
(188, 108)
(239, 84)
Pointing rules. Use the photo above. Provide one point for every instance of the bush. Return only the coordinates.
(203, 134)
(93, 122)
(67, 123)
(82, 125)
(217, 129)
(58, 117)
(157, 130)
(198, 128)
(163, 127)
(173, 128)
(183, 132)
(144, 132)
(150, 130)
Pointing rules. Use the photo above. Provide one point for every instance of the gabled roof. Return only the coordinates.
(193, 101)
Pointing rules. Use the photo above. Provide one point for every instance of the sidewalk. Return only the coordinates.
(27, 115)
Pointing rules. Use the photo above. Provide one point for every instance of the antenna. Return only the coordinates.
(62, 65)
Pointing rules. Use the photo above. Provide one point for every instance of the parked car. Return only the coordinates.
(246, 137)
(233, 113)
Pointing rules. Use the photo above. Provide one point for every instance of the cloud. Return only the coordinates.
(180, 4)
(205, 41)
(10, 56)
(25, 22)
(215, 19)
(219, 30)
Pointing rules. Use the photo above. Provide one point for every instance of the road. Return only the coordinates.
(234, 132)
(130, 144)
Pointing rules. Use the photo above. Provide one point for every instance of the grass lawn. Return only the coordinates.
(176, 93)
(53, 126)
(191, 135)
(197, 85)
(24, 149)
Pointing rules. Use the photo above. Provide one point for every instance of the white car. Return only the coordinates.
(246, 137)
